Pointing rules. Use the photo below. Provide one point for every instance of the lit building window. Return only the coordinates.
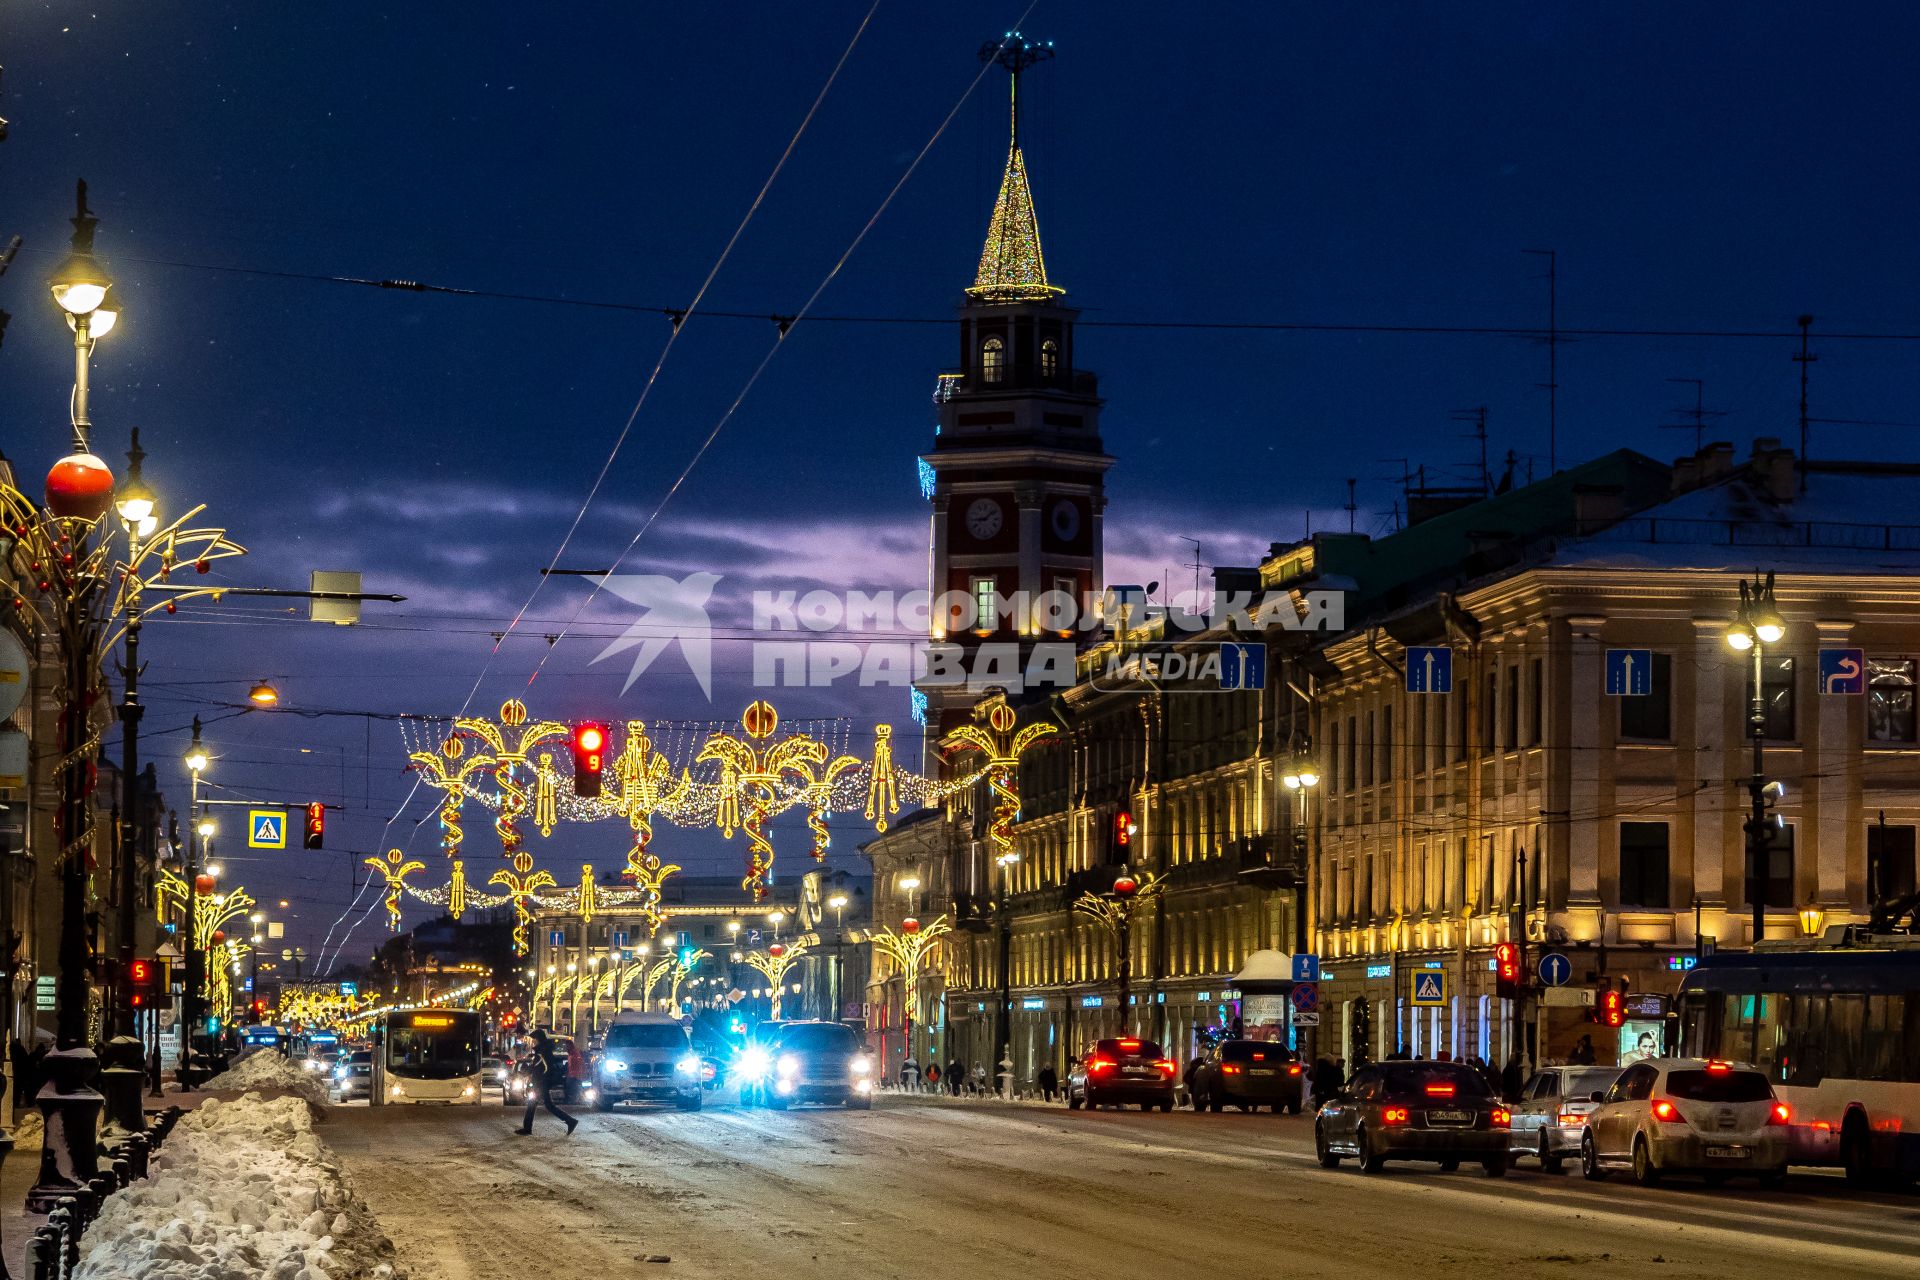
(1049, 359)
(993, 360)
(985, 604)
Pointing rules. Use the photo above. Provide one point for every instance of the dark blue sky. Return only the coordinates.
(1706, 167)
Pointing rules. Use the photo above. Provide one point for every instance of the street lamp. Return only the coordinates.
(1301, 776)
(79, 287)
(263, 694)
(1757, 625)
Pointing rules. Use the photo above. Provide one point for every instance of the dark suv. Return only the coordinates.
(821, 1062)
(1247, 1074)
(1116, 1072)
(1440, 1111)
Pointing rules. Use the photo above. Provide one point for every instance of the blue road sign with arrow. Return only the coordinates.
(1843, 671)
(1306, 967)
(1243, 666)
(1554, 969)
(1429, 669)
(1629, 672)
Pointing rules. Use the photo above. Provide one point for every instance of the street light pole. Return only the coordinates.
(196, 761)
(1757, 625)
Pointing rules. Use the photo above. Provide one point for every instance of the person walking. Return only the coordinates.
(956, 1076)
(1049, 1082)
(1582, 1055)
(1512, 1077)
(539, 1064)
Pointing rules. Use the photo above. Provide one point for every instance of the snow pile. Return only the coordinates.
(29, 1131)
(240, 1190)
(266, 1071)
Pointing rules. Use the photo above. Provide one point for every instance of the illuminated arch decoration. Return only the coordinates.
(511, 739)
(396, 867)
(1002, 746)
(774, 969)
(753, 769)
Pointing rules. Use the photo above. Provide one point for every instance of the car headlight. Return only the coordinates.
(613, 1064)
(787, 1066)
(862, 1065)
(688, 1066)
(755, 1064)
(589, 1093)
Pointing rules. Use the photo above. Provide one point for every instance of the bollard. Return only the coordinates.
(138, 1149)
(40, 1254)
(59, 1221)
(122, 1167)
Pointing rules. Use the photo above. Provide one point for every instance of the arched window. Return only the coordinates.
(1049, 359)
(993, 360)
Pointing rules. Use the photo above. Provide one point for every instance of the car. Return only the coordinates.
(322, 1062)
(1118, 1071)
(573, 1076)
(353, 1075)
(821, 1062)
(1414, 1110)
(1247, 1074)
(752, 1067)
(647, 1057)
(1696, 1114)
(1551, 1114)
(495, 1074)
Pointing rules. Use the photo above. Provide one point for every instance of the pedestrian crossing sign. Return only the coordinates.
(1430, 987)
(266, 829)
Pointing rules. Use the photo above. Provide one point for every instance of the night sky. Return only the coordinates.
(1697, 168)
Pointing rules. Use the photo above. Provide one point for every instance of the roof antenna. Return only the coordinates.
(1353, 506)
(1803, 360)
(1196, 564)
(1478, 417)
(1552, 385)
(1699, 413)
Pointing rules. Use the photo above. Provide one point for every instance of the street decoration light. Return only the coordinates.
(1813, 918)
(263, 694)
(1115, 912)
(910, 950)
(1755, 625)
(773, 964)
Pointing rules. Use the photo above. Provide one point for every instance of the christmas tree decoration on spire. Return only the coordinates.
(1012, 267)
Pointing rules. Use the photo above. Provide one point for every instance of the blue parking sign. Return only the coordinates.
(1629, 672)
(1429, 669)
(1843, 671)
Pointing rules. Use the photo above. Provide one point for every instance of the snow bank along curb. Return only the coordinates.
(267, 1071)
(240, 1190)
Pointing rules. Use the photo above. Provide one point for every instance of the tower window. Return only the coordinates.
(1049, 359)
(993, 360)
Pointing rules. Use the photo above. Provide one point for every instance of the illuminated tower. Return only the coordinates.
(1017, 465)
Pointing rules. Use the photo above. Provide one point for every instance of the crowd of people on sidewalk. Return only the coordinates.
(956, 1078)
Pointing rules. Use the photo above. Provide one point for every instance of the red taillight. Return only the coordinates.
(1098, 1065)
(1293, 1069)
(1259, 1057)
(1781, 1114)
(1502, 1117)
(1129, 1045)
(1439, 1091)
(1166, 1067)
(1719, 1068)
(1231, 1068)
(1664, 1110)
(1394, 1115)
(1572, 1118)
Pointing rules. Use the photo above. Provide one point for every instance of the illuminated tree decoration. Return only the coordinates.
(212, 913)
(511, 739)
(521, 885)
(1002, 747)
(646, 785)
(1012, 267)
(396, 872)
(883, 788)
(909, 950)
(754, 772)
(773, 963)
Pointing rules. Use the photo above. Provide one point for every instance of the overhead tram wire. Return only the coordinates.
(786, 325)
(626, 429)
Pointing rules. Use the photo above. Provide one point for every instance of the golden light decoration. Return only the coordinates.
(449, 769)
(521, 886)
(753, 772)
(1012, 267)
(774, 969)
(511, 739)
(584, 907)
(645, 784)
(1002, 746)
(395, 867)
(909, 952)
(883, 789)
(1115, 911)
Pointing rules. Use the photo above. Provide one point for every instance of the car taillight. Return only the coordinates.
(1719, 1068)
(1166, 1067)
(1098, 1065)
(1439, 1091)
(1781, 1114)
(1294, 1069)
(1502, 1117)
(1231, 1068)
(1664, 1110)
(1393, 1115)
(1129, 1045)
(1572, 1117)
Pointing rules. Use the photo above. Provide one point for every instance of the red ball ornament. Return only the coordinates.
(219, 937)
(203, 884)
(1126, 886)
(909, 925)
(777, 950)
(171, 608)
(79, 487)
(201, 566)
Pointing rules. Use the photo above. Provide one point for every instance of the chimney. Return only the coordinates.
(1710, 463)
(1596, 506)
(1773, 469)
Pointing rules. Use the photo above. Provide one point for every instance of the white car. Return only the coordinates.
(1695, 1114)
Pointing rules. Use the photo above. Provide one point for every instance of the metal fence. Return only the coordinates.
(53, 1251)
(1827, 534)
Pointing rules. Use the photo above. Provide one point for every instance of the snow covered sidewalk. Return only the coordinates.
(240, 1190)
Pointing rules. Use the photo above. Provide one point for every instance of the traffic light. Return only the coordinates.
(316, 825)
(142, 980)
(1611, 1007)
(589, 758)
(1506, 959)
(1123, 829)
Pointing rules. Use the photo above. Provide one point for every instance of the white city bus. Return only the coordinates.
(1836, 1027)
(428, 1055)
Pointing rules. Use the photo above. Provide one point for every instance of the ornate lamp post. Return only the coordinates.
(1115, 912)
(909, 949)
(1757, 625)
(1302, 775)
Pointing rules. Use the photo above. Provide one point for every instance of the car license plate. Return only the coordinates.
(1727, 1152)
(1137, 1071)
(1263, 1071)
(1450, 1117)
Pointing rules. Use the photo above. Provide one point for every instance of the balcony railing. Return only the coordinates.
(1751, 533)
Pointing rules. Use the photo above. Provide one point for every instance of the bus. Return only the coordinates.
(1835, 1024)
(428, 1055)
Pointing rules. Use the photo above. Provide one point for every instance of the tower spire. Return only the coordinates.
(1012, 268)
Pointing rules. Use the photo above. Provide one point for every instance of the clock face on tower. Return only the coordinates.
(983, 518)
(1065, 518)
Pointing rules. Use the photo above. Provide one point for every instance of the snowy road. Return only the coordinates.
(918, 1188)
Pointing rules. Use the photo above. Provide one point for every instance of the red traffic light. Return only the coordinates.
(1613, 1008)
(589, 758)
(140, 972)
(1507, 957)
(316, 825)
